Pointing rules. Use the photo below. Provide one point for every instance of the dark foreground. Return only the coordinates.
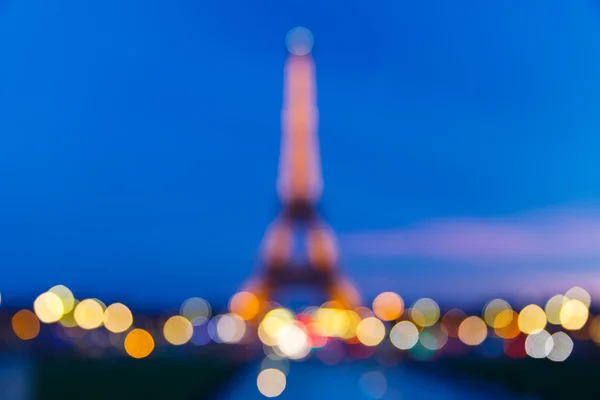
(71, 377)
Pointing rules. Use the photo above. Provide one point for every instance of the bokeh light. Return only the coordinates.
(316, 335)
(353, 320)
(492, 310)
(425, 312)
(117, 318)
(503, 318)
(579, 293)
(196, 310)
(452, 320)
(373, 384)
(48, 307)
(271, 382)
(25, 325)
(292, 341)
(272, 322)
(178, 330)
(532, 318)
(404, 335)
(139, 343)
(515, 348)
(68, 320)
(472, 331)
(201, 335)
(573, 314)
(230, 328)
(562, 348)
(89, 314)
(66, 296)
(335, 321)
(511, 329)
(244, 304)
(370, 331)
(299, 41)
(594, 329)
(388, 306)
(539, 344)
(553, 308)
(422, 353)
(433, 337)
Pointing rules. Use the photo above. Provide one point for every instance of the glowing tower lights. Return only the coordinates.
(299, 186)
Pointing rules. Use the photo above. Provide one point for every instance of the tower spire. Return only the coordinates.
(299, 181)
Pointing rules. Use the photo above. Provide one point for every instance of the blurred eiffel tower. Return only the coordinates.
(299, 189)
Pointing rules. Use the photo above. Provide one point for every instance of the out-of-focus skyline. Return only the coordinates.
(139, 142)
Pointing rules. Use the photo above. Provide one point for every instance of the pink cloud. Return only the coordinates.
(557, 235)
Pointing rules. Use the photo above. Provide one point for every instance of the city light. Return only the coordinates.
(510, 320)
(492, 310)
(336, 322)
(404, 335)
(117, 318)
(472, 331)
(532, 318)
(562, 347)
(353, 321)
(425, 312)
(178, 330)
(539, 344)
(370, 331)
(452, 320)
(433, 337)
(573, 315)
(554, 307)
(271, 382)
(579, 293)
(66, 297)
(290, 336)
(139, 343)
(388, 306)
(68, 320)
(230, 328)
(196, 310)
(89, 314)
(48, 307)
(292, 341)
(273, 321)
(244, 304)
(25, 325)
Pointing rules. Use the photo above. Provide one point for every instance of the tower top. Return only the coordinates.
(299, 41)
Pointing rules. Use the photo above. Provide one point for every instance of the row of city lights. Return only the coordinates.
(420, 329)
(316, 325)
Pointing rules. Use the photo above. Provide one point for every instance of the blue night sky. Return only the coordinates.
(139, 139)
